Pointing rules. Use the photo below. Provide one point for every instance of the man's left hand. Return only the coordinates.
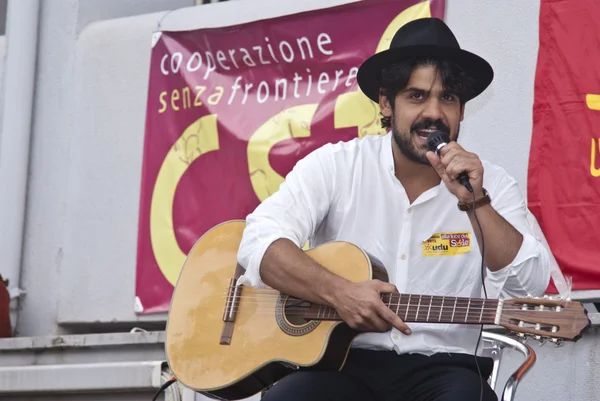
(454, 160)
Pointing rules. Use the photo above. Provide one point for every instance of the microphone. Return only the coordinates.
(435, 142)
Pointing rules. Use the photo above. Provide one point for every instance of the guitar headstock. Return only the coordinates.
(544, 318)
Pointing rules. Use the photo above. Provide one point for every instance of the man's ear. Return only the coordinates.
(385, 106)
(462, 112)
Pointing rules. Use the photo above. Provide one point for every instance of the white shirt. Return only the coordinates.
(348, 191)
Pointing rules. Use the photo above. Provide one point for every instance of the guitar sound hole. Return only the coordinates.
(294, 310)
(289, 314)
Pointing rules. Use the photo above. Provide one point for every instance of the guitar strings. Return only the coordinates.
(425, 303)
(447, 302)
(300, 310)
(413, 300)
(394, 296)
(260, 299)
(253, 300)
(445, 318)
(259, 302)
(304, 309)
(459, 317)
(422, 309)
(266, 293)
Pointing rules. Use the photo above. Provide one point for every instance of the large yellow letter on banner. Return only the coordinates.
(593, 103)
(290, 123)
(354, 109)
(198, 139)
(595, 171)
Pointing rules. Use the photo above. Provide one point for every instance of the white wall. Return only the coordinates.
(49, 214)
(2, 69)
(81, 230)
(98, 10)
(498, 124)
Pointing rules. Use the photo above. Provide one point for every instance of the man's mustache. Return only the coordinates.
(428, 123)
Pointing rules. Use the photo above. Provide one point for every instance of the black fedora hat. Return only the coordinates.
(424, 37)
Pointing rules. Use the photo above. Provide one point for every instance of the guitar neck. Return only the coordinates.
(426, 309)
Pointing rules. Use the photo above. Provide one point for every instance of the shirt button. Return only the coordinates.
(403, 257)
(395, 336)
(409, 211)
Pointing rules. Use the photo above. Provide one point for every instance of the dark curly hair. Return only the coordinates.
(395, 77)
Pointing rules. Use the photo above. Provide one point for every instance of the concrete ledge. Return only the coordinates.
(586, 295)
(93, 377)
(81, 341)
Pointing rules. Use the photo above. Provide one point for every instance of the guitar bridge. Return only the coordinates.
(232, 302)
(231, 306)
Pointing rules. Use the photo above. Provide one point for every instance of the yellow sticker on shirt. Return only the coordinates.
(447, 244)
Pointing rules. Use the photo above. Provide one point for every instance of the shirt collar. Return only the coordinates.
(387, 160)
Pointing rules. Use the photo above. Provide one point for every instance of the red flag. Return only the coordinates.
(564, 164)
(5, 325)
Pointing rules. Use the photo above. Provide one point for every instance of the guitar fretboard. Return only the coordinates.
(426, 309)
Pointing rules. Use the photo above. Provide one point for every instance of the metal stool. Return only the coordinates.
(493, 346)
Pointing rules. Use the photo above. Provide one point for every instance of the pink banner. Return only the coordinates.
(231, 110)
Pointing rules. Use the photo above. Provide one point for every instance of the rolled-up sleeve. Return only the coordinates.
(529, 272)
(294, 212)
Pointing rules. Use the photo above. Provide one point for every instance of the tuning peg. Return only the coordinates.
(557, 342)
(537, 336)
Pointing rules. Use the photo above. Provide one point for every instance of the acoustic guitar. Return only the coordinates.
(231, 342)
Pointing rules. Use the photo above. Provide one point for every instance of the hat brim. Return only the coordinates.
(369, 73)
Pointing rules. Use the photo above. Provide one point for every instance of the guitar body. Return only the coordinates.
(231, 342)
(266, 342)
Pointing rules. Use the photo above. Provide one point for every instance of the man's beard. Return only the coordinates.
(405, 143)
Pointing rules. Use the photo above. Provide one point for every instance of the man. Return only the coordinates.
(394, 198)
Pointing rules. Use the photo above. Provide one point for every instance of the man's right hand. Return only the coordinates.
(360, 306)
